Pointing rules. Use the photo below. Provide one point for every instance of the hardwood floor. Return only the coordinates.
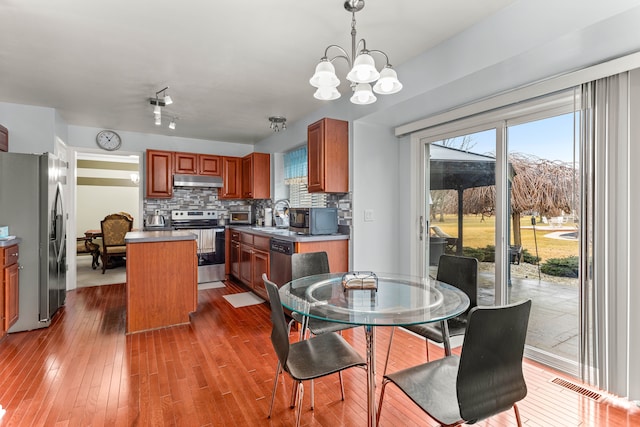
(218, 371)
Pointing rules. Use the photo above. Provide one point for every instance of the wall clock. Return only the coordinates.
(108, 140)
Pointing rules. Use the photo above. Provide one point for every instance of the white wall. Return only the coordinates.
(31, 129)
(96, 202)
(375, 187)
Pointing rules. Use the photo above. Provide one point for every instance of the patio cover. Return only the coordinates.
(455, 169)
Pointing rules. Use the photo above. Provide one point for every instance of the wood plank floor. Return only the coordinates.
(218, 371)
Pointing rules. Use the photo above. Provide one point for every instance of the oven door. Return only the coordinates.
(210, 253)
(210, 245)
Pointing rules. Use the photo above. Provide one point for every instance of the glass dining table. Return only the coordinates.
(371, 300)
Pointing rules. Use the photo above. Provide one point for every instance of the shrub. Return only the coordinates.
(561, 267)
(529, 258)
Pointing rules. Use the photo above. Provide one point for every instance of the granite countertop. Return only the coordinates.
(158, 236)
(285, 234)
(10, 242)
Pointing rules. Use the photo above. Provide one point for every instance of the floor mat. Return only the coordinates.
(210, 285)
(243, 299)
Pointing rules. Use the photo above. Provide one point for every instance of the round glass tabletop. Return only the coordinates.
(393, 299)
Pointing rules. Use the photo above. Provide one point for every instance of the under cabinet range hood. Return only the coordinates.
(197, 181)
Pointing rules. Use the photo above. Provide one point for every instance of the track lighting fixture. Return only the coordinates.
(159, 101)
(277, 123)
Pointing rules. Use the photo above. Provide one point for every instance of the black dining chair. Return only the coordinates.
(458, 271)
(309, 359)
(484, 380)
(310, 264)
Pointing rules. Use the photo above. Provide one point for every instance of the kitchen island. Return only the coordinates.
(162, 270)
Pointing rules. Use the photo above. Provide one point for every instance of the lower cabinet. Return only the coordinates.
(249, 259)
(9, 288)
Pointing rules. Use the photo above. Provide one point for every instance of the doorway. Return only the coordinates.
(104, 184)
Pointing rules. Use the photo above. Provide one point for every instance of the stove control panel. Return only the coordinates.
(194, 215)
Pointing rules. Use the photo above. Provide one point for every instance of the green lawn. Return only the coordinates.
(479, 233)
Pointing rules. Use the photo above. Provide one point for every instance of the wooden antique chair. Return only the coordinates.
(114, 227)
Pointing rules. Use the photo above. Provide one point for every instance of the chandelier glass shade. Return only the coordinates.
(363, 69)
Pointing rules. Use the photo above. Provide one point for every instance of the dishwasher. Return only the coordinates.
(280, 252)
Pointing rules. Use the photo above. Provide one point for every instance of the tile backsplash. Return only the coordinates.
(207, 199)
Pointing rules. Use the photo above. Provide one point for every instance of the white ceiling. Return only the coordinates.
(229, 65)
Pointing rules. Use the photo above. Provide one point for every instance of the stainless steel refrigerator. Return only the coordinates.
(32, 206)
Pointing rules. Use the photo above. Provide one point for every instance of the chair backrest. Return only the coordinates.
(114, 227)
(279, 330)
(309, 264)
(461, 272)
(490, 378)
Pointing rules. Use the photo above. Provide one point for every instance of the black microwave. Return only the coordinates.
(313, 221)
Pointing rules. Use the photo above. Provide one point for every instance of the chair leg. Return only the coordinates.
(300, 394)
(104, 262)
(518, 420)
(384, 384)
(275, 386)
(388, 351)
(445, 338)
(426, 344)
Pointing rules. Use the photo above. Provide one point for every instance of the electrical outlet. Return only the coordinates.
(368, 215)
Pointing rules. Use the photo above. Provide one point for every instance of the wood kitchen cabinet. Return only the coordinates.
(253, 261)
(234, 254)
(197, 164)
(256, 176)
(4, 138)
(159, 174)
(231, 178)
(9, 289)
(328, 156)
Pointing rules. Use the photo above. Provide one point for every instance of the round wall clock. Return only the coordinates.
(108, 140)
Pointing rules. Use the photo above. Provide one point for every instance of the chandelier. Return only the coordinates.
(363, 69)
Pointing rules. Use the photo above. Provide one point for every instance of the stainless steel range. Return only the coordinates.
(210, 240)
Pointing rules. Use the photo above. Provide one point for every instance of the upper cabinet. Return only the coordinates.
(4, 138)
(255, 183)
(328, 156)
(209, 165)
(159, 174)
(256, 176)
(231, 178)
(197, 164)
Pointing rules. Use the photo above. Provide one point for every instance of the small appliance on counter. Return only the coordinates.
(155, 221)
(313, 221)
(241, 214)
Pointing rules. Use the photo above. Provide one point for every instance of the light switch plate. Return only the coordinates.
(368, 215)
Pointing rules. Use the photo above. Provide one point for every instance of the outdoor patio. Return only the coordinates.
(553, 325)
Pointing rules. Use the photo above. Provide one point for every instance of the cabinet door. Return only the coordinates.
(3, 321)
(232, 178)
(186, 163)
(328, 156)
(11, 299)
(209, 165)
(247, 177)
(235, 259)
(245, 264)
(159, 174)
(315, 157)
(260, 265)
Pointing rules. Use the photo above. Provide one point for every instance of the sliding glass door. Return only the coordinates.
(504, 188)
